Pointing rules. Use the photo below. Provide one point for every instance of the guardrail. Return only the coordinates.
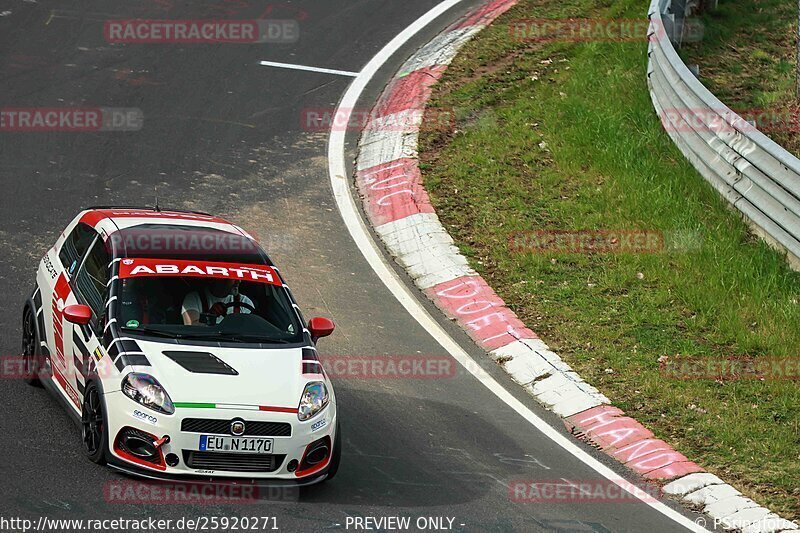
(759, 177)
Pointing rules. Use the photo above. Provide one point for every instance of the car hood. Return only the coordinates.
(266, 377)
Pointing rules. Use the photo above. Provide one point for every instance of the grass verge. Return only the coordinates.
(562, 136)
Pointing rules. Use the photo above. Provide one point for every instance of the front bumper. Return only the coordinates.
(123, 413)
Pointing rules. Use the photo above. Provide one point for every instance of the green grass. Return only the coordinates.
(564, 136)
(747, 59)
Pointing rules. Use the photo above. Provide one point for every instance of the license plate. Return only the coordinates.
(211, 443)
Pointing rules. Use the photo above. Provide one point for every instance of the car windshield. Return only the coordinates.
(206, 301)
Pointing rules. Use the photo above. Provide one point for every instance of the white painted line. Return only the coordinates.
(309, 69)
(340, 183)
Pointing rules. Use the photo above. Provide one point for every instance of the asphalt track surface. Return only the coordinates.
(224, 134)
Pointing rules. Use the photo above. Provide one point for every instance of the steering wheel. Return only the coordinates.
(220, 309)
(225, 307)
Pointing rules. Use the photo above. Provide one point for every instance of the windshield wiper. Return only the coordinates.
(239, 337)
(209, 335)
(155, 332)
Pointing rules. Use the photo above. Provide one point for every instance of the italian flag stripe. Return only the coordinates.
(236, 406)
(277, 409)
(196, 405)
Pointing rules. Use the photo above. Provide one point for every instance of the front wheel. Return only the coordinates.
(93, 425)
(30, 349)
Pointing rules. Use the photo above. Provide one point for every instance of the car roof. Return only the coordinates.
(117, 218)
(125, 217)
(122, 220)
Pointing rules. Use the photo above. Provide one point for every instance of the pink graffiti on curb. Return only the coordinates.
(393, 191)
(630, 443)
(477, 309)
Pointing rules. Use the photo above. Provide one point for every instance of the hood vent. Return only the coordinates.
(202, 363)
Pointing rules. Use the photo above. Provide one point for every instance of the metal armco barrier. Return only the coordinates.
(759, 177)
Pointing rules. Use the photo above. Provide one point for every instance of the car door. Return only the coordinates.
(90, 286)
(57, 294)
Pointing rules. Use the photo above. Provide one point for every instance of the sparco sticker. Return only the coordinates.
(144, 416)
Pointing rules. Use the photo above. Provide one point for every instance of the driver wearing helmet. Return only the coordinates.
(219, 298)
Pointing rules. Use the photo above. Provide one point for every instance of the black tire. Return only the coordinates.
(336, 458)
(31, 351)
(94, 429)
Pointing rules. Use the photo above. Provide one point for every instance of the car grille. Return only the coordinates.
(223, 427)
(232, 462)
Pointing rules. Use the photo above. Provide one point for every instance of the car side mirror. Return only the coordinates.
(78, 314)
(320, 327)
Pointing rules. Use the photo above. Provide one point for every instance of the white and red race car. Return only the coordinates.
(173, 340)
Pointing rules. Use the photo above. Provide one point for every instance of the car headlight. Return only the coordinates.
(314, 399)
(144, 388)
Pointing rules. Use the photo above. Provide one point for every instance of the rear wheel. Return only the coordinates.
(30, 349)
(93, 425)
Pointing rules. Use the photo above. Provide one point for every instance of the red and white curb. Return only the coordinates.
(397, 205)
